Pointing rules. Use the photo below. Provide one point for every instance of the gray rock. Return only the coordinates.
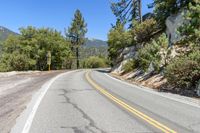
(129, 55)
(126, 50)
(173, 22)
(151, 68)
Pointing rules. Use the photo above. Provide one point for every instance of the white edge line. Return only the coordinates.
(46, 86)
(153, 92)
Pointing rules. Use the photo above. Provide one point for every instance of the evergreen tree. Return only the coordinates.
(127, 10)
(77, 32)
(190, 30)
(163, 8)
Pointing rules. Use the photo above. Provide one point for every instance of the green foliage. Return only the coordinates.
(78, 28)
(94, 62)
(19, 62)
(130, 65)
(28, 50)
(5, 33)
(118, 39)
(190, 30)
(184, 72)
(145, 30)
(151, 53)
(77, 33)
(163, 8)
(127, 10)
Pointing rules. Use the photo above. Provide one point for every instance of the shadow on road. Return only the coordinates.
(104, 70)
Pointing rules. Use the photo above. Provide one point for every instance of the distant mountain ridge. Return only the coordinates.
(95, 43)
(5, 32)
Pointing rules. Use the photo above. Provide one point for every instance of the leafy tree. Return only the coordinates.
(127, 10)
(28, 50)
(118, 38)
(77, 32)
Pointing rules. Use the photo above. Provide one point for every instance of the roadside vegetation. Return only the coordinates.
(46, 48)
(153, 49)
(95, 62)
(28, 51)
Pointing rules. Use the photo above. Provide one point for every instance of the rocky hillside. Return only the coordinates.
(165, 56)
(94, 47)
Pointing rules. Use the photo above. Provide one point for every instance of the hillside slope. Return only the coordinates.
(94, 47)
(5, 32)
(95, 43)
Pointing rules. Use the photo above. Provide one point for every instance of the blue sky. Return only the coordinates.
(58, 14)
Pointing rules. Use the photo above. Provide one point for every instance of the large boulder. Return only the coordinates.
(131, 53)
(125, 55)
(173, 22)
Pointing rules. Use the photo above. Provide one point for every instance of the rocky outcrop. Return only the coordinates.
(126, 54)
(172, 23)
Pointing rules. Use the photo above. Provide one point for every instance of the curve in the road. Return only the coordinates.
(129, 108)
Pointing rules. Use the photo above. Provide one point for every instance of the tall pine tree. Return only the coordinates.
(77, 32)
(127, 10)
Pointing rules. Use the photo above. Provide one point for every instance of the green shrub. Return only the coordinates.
(150, 53)
(130, 65)
(190, 30)
(118, 38)
(94, 62)
(15, 61)
(184, 72)
(144, 31)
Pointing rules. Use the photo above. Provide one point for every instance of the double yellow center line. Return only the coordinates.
(129, 108)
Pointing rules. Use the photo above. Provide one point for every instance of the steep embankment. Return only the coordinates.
(156, 63)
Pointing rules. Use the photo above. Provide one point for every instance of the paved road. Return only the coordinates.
(82, 102)
(16, 92)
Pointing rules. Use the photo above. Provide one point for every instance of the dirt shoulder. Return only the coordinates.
(16, 90)
(155, 83)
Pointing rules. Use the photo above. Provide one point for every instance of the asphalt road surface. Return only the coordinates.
(16, 92)
(87, 101)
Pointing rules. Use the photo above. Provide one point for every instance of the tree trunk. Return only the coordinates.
(77, 58)
(140, 10)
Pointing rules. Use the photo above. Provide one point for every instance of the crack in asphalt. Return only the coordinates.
(75, 129)
(85, 116)
(76, 90)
